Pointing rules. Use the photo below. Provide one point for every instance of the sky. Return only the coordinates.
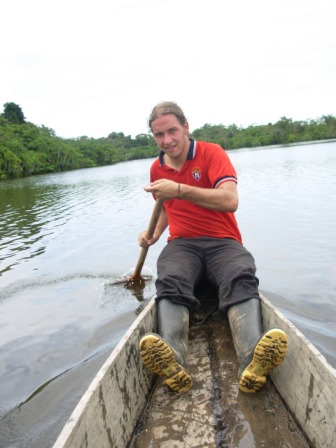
(89, 68)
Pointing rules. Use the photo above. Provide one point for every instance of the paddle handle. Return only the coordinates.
(150, 232)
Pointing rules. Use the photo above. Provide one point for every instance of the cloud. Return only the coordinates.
(93, 67)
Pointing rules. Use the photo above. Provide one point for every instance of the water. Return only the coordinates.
(65, 237)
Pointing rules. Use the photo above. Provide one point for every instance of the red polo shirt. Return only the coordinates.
(207, 166)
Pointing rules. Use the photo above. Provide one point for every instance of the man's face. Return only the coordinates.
(171, 136)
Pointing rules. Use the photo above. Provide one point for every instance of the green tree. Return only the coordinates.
(10, 164)
(13, 113)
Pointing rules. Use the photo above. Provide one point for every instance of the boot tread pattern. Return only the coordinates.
(268, 354)
(159, 358)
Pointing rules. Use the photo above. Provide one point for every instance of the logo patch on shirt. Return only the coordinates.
(196, 173)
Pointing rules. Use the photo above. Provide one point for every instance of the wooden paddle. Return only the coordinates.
(136, 280)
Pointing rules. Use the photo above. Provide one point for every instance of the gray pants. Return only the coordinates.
(184, 262)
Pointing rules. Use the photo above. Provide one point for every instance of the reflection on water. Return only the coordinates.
(66, 238)
(35, 215)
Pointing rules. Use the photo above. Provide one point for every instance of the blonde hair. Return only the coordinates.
(165, 108)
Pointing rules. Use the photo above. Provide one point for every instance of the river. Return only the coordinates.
(65, 237)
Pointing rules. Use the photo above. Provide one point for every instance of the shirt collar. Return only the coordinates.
(191, 152)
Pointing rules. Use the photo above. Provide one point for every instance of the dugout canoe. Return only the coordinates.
(126, 406)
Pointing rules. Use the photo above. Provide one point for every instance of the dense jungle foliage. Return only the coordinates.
(27, 149)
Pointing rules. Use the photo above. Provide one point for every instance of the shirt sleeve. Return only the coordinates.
(219, 166)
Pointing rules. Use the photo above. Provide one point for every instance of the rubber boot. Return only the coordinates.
(165, 353)
(258, 354)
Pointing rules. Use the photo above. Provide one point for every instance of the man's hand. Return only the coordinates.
(164, 189)
(144, 242)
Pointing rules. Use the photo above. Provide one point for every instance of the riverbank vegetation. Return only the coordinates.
(27, 149)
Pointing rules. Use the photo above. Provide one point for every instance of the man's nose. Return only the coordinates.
(166, 139)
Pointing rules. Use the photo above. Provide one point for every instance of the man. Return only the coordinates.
(199, 186)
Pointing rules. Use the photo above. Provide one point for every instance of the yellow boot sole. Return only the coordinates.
(159, 358)
(268, 354)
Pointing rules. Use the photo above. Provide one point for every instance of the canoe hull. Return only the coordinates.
(110, 410)
(305, 381)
